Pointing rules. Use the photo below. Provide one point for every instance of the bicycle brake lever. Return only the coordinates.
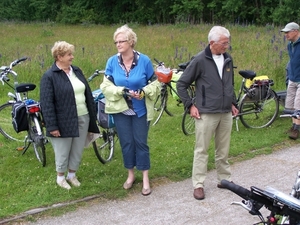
(245, 204)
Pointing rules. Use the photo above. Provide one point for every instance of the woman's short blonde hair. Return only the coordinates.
(128, 32)
(61, 48)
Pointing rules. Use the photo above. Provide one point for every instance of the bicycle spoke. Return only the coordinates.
(37, 139)
(105, 144)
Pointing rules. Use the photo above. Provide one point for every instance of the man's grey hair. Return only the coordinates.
(217, 32)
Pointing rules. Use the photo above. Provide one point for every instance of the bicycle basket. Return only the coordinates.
(19, 117)
(259, 89)
(163, 74)
(105, 120)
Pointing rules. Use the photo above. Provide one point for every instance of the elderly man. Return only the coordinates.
(212, 72)
(291, 32)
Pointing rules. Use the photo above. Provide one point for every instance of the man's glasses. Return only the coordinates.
(119, 42)
(224, 43)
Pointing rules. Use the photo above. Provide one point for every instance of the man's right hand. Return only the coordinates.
(194, 112)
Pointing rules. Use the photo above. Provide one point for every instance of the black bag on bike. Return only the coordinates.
(105, 120)
(19, 117)
(260, 89)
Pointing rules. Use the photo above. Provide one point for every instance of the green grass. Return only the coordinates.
(24, 184)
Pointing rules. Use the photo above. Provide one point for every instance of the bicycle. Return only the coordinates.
(258, 104)
(103, 146)
(160, 104)
(284, 209)
(31, 122)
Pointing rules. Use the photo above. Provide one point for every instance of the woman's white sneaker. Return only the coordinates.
(64, 184)
(74, 181)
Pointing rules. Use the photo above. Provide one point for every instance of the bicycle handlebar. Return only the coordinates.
(291, 113)
(245, 193)
(160, 63)
(95, 74)
(8, 69)
(239, 190)
(17, 61)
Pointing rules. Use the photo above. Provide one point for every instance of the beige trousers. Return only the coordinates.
(217, 126)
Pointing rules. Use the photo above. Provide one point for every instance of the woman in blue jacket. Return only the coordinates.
(130, 78)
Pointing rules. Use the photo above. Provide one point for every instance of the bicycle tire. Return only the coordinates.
(259, 114)
(188, 123)
(104, 146)
(35, 132)
(159, 106)
(6, 127)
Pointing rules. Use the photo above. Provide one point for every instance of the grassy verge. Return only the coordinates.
(25, 185)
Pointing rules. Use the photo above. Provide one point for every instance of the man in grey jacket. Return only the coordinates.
(213, 107)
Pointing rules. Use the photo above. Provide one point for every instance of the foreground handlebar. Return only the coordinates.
(291, 113)
(240, 191)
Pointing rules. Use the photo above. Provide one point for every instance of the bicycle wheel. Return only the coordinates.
(104, 146)
(188, 123)
(160, 106)
(259, 113)
(36, 136)
(6, 127)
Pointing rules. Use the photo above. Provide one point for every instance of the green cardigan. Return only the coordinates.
(115, 102)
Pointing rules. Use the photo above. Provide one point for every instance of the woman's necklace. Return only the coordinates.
(128, 65)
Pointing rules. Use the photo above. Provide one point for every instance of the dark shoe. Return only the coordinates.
(199, 193)
(221, 186)
(146, 192)
(294, 134)
(289, 130)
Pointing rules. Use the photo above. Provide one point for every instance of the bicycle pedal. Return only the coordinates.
(21, 148)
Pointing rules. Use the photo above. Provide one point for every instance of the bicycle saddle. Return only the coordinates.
(248, 74)
(25, 87)
(183, 66)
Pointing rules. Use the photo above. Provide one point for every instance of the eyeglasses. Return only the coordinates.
(224, 43)
(120, 42)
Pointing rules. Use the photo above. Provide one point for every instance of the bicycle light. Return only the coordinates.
(34, 109)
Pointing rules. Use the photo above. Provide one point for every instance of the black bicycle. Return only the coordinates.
(104, 146)
(258, 104)
(22, 114)
(284, 209)
(168, 88)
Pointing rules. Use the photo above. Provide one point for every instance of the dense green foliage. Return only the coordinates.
(247, 12)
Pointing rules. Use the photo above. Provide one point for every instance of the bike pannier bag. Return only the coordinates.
(175, 78)
(19, 117)
(105, 120)
(260, 88)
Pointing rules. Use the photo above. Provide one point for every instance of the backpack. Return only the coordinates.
(19, 117)
(105, 120)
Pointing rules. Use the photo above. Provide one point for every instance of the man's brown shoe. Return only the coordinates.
(294, 134)
(199, 193)
(289, 130)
